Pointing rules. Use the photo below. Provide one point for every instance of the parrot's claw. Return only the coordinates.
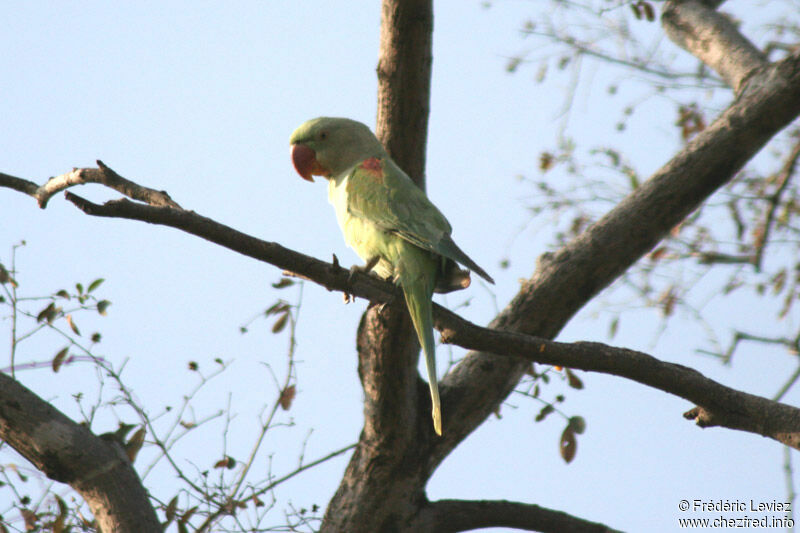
(366, 269)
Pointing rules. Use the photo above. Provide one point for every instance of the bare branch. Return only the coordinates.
(450, 516)
(720, 405)
(82, 176)
(784, 177)
(569, 278)
(18, 184)
(592, 50)
(713, 38)
(330, 276)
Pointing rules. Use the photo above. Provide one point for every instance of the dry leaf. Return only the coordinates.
(58, 360)
(72, 325)
(287, 395)
(568, 445)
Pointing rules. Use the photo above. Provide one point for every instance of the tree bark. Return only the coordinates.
(383, 488)
(714, 39)
(404, 83)
(396, 419)
(567, 280)
(68, 452)
(450, 516)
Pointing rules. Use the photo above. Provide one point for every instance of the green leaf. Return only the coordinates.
(48, 313)
(546, 410)
(613, 328)
(283, 283)
(278, 307)
(649, 11)
(512, 64)
(102, 305)
(577, 424)
(172, 506)
(96, 283)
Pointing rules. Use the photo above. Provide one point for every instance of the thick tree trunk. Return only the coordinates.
(397, 405)
(383, 487)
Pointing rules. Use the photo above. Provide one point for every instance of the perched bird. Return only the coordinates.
(387, 220)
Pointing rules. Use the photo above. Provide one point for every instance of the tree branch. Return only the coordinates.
(404, 83)
(450, 516)
(562, 284)
(70, 453)
(82, 176)
(18, 184)
(718, 405)
(380, 485)
(568, 279)
(713, 38)
(329, 275)
(774, 200)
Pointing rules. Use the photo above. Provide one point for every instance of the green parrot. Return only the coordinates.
(387, 220)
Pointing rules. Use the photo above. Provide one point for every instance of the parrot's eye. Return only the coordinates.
(323, 135)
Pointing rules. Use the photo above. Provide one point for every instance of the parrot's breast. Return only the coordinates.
(360, 234)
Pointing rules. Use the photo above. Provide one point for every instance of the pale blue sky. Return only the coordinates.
(199, 99)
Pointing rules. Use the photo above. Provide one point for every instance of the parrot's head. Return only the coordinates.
(328, 146)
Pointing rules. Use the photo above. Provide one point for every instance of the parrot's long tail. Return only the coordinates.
(418, 294)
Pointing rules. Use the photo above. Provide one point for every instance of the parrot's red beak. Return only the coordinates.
(305, 162)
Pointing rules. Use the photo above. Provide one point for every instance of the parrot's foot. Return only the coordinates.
(366, 269)
(361, 269)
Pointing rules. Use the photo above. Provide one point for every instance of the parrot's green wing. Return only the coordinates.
(379, 191)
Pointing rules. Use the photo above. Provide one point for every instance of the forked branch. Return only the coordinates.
(718, 405)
